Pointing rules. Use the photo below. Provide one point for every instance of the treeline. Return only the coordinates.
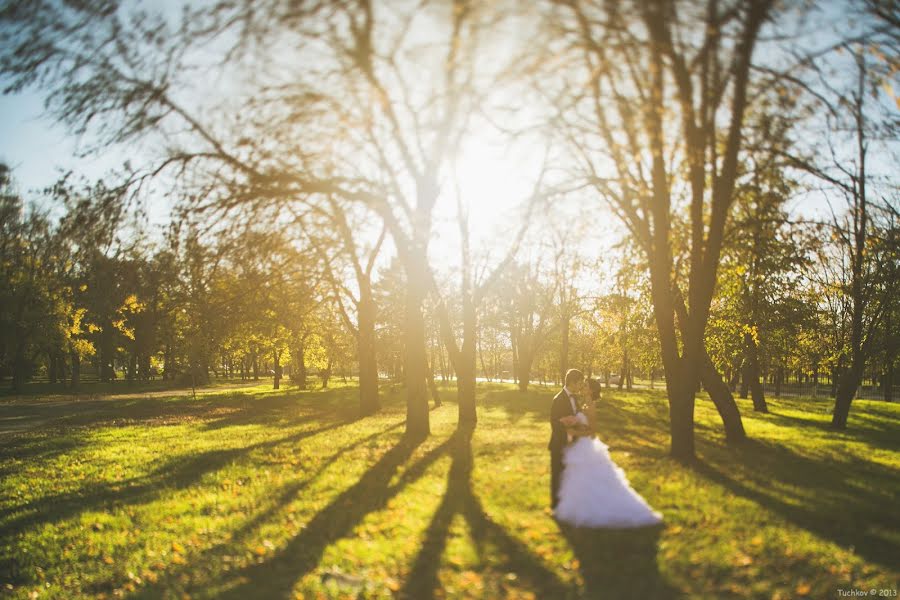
(86, 293)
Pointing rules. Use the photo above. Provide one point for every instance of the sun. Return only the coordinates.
(493, 180)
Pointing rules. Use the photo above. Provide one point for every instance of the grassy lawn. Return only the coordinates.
(248, 493)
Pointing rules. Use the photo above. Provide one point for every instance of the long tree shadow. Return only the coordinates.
(45, 430)
(179, 473)
(619, 563)
(236, 538)
(460, 498)
(276, 576)
(216, 410)
(833, 501)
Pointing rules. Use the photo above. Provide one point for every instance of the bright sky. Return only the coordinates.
(494, 178)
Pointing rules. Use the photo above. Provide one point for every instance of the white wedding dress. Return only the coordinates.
(594, 491)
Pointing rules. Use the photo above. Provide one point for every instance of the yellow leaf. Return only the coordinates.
(802, 589)
(742, 560)
(260, 550)
(108, 560)
(176, 547)
(757, 541)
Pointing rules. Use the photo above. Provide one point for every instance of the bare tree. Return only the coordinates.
(662, 92)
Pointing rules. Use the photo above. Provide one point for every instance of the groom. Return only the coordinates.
(565, 403)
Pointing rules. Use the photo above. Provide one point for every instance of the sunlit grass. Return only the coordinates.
(246, 492)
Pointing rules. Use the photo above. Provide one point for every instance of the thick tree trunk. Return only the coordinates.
(369, 402)
(715, 386)
(523, 376)
(680, 389)
(847, 387)
(417, 425)
(721, 396)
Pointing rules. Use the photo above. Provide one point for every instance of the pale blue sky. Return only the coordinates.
(38, 149)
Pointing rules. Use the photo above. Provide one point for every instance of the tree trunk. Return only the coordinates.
(465, 370)
(564, 349)
(369, 402)
(888, 381)
(167, 362)
(417, 425)
(847, 387)
(299, 373)
(131, 371)
(484, 370)
(514, 346)
(432, 384)
(680, 389)
(52, 366)
(523, 376)
(721, 396)
(107, 371)
(76, 371)
(715, 386)
(751, 374)
(326, 373)
(276, 359)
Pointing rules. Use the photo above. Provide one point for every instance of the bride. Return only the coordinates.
(594, 491)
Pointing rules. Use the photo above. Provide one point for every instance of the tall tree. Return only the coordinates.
(652, 87)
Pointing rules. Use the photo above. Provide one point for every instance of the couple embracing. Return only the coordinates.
(587, 488)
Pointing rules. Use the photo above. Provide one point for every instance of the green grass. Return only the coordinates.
(249, 493)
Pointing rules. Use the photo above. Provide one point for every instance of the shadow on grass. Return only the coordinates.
(422, 581)
(177, 474)
(842, 502)
(619, 563)
(217, 410)
(43, 430)
(534, 403)
(237, 538)
(276, 576)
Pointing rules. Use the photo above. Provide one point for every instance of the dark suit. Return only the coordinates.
(560, 408)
